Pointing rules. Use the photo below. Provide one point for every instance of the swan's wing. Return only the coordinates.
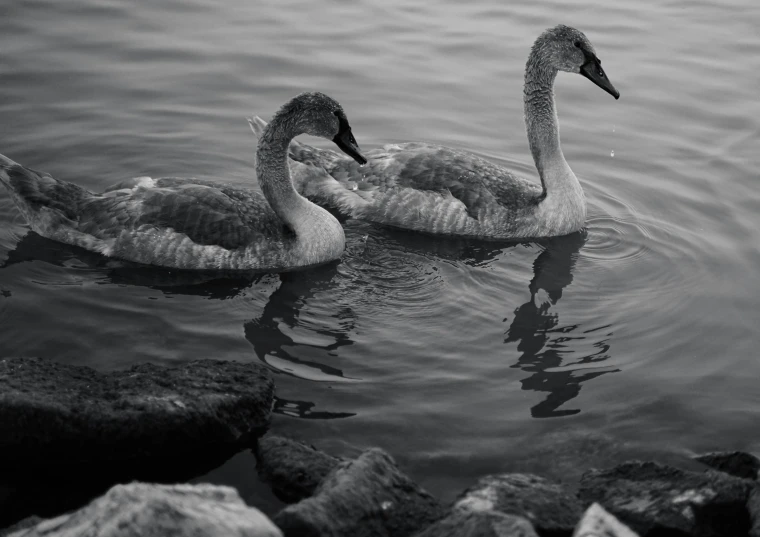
(478, 184)
(208, 214)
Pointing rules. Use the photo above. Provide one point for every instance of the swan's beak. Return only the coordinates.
(592, 70)
(347, 143)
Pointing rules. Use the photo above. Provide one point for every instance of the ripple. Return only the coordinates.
(645, 263)
(393, 273)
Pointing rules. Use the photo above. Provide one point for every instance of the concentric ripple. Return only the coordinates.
(644, 255)
(390, 271)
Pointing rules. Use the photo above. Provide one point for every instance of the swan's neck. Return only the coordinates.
(318, 233)
(562, 191)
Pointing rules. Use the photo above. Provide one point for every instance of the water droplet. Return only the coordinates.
(386, 505)
(612, 153)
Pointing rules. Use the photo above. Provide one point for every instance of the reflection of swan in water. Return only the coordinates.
(269, 336)
(283, 307)
(211, 284)
(542, 341)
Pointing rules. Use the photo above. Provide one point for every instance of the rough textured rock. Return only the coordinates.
(464, 523)
(753, 507)
(51, 411)
(550, 509)
(368, 496)
(597, 522)
(143, 510)
(21, 525)
(652, 499)
(293, 469)
(737, 463)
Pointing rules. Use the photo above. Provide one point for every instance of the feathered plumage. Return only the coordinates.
(444, 191)
(191, 223)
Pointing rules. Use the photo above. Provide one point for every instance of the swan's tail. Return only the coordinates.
(5, 164)
(43, 200)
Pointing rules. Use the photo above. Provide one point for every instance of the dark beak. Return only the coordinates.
(347, 143)
(592, 70)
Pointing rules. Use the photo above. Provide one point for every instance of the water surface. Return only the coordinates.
(637, 336)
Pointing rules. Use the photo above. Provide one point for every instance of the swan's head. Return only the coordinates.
(566, 49)
(319, 115)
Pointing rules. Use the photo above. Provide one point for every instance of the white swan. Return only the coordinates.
(444, 191)
(194, 224)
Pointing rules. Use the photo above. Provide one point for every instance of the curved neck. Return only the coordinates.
(273, 173)
(319, 236)
(541, 122)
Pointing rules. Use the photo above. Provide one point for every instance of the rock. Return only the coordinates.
(597, 522)
(550, 509)
(144, 510)
(368, 496)
(652, 498)
(21, 525)
(462, 523)
(55, 412)
(753, 507)
(293, 469)
(736, 463)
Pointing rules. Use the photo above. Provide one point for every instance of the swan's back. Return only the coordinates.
(209, 213)
(428, 188)
(171, 222)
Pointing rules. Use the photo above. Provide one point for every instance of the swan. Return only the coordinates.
(195, 224)
(444, 191)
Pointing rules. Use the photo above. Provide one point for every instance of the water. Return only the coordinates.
(637, 337)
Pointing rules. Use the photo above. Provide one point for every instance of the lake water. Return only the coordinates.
(637, 337)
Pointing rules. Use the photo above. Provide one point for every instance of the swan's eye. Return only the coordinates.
(577, 44)
(601, 73)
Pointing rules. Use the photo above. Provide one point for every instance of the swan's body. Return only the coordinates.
(443, 191)
(195, 224)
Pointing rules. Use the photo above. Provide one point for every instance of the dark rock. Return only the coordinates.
(143, 510)
(21, 525)
(652, 499)
(368, 496)
(56, 412)
(462, 523)
(597, 522)
(550, 509)
(737, 463)
(753, 507)
(293, 469)
(50, 490)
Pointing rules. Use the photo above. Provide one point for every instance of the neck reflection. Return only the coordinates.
(558, 357)
(272, 337)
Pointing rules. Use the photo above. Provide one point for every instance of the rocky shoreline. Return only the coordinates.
(151, 424)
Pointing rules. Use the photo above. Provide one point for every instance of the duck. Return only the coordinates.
(185, 223)
(443, 191)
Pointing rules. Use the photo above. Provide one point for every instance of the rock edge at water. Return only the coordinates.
(52, 411)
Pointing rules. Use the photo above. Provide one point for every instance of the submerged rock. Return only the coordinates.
(736, 463)
(293, 469)
(144, 510)
(550, 509)
(597, 522)
(53, 412)
(367, 496)
(463, 523)
(653, 498)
